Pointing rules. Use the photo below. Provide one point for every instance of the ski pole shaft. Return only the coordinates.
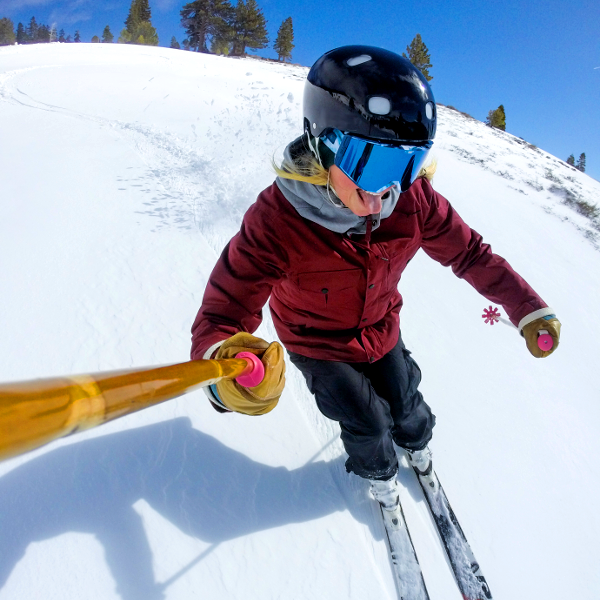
(506, 322)
(34, 413)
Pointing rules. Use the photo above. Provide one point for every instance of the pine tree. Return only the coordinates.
(202, 19)
(501, 117)
(284, 43)
(175, 44)
(21, 34)
(418, 54)
(144, 11)
(249, 28)
(7, 32)
(581, 162)
(32, 31)
(95, 40)
(186, 44)
(139, 11)
(138, 28)
(61, 36)
(497, 118)
(77, 37)
(107, 36)
(222, 36)
(221, 44)
(43, 34)
(147, 35)
(571, 160)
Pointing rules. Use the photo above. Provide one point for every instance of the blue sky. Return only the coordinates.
(541, 60)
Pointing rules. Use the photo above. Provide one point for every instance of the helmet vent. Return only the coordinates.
(380, 106)
(358, 60)
(429, 110)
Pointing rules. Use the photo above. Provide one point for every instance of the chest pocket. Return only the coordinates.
(332, 289)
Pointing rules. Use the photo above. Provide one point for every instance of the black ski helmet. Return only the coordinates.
(371, 92)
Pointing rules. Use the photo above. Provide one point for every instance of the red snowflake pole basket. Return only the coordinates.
(491, 315)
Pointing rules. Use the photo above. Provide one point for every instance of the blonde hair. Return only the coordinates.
(428, 171)
(306, 168)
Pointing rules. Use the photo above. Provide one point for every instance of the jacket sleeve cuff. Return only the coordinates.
(536, 314)
(212, 350)
(211, 390)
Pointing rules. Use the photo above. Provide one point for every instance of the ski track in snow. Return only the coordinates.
(195, 196)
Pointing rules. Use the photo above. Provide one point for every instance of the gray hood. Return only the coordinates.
(318, 204)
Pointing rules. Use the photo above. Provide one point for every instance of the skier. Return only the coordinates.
(328, 242)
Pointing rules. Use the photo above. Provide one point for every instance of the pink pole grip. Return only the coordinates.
(256, 374)
(545, 342)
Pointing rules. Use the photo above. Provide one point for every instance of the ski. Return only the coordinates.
(405, 564)
(468, 575)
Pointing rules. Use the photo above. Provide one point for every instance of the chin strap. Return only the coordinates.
(325, 155)
(313, 144)
(336, 199)
(314, 150)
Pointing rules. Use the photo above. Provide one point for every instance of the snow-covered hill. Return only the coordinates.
(124, 170)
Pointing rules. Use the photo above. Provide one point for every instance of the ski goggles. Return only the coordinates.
(375, 166)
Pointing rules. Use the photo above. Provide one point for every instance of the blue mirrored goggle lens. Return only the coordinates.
(375, 167)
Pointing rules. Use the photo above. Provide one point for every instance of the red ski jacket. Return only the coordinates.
(335, 296)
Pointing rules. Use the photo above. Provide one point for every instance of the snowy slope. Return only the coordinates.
(124, 172)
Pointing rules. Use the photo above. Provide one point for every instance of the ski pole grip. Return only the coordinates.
(545, 341)
(257, 370)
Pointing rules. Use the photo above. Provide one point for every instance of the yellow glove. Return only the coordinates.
(532, 330)
(264, 397)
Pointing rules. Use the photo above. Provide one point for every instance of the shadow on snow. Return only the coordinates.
(206, 489)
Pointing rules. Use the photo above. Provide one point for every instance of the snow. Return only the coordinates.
(124, 172)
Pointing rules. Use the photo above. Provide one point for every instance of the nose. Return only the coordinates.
(375, 205)
(372, 201)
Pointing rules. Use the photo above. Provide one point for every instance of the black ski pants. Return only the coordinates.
(376, 404)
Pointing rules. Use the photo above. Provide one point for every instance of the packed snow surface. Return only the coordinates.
(125, 170)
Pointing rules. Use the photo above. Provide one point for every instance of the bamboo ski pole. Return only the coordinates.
(34, 413)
